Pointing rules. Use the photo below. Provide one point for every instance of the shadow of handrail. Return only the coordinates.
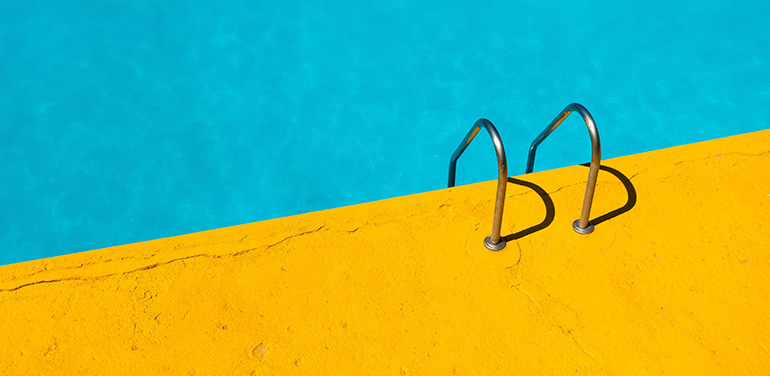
(630, 190)
(550, 210)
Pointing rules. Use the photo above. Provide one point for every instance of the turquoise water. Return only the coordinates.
(123, 121)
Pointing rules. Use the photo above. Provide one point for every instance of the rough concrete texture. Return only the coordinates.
(674, 280)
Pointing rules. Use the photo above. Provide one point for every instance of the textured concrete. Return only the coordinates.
(674, 280)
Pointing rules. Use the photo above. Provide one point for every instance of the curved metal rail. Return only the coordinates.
(582, 226)
(493, 242)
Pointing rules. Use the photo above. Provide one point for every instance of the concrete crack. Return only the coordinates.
(567, 186)
(569, 333)
(614, 238)
(724, 155)
(153, 266)
(291, 237)
(50, 281)
(45, 269)
(519, 260)
(550, 193)
(521, 290)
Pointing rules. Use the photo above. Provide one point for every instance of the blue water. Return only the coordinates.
(123, 121)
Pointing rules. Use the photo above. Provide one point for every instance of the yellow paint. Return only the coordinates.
(678, 284)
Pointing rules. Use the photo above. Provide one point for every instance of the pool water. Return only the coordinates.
(123, 121)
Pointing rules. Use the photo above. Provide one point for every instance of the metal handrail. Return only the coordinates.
(493, 242)
(582, 226)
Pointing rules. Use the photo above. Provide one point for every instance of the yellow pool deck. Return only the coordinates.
(674, 280)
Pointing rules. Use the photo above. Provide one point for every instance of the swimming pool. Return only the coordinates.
(128, 121)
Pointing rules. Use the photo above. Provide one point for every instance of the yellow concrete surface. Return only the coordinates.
(674, 280)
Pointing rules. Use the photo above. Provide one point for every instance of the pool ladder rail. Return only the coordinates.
(495, 242)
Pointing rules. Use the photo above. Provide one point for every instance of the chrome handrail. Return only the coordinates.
(493, 242)
(582, 226)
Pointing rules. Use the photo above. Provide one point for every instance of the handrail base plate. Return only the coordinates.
(576, 226)
(493, 247)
